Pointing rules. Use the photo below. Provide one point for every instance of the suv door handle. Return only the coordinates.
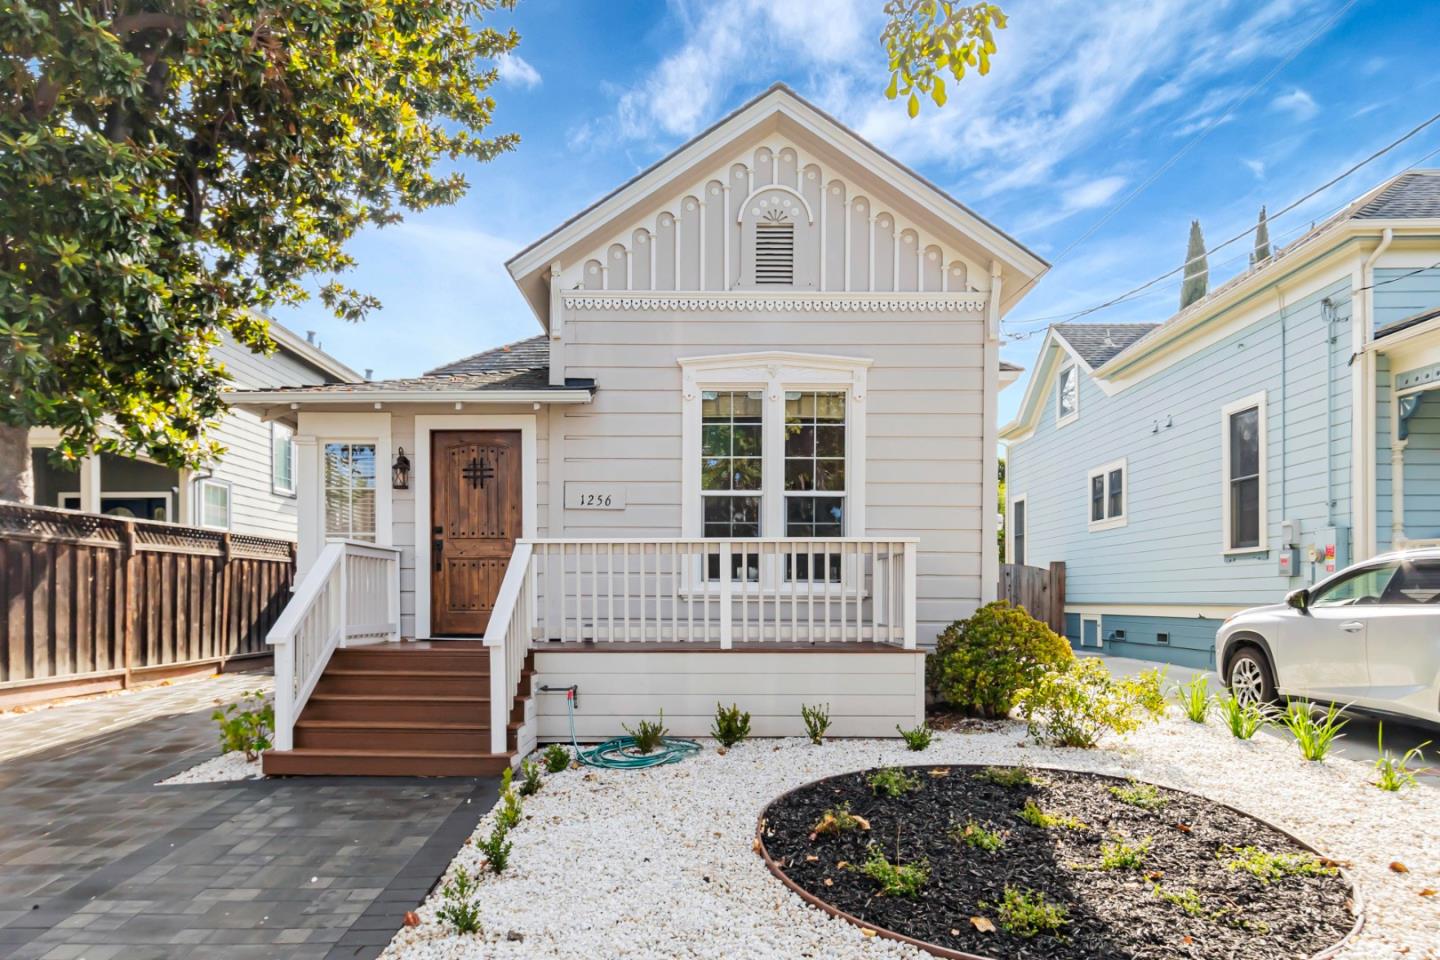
(1352, 626)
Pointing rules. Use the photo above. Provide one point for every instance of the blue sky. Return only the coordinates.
(1087, 100)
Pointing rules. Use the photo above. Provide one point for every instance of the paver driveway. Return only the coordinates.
(97, 862)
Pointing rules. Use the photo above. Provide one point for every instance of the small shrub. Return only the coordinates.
(917, 739)
(1268, 867)
(892, 782)
(1009, 776)
(976, 835)
(1026, 913)
(817, 721)
(1314, 737)
(1146, 796)
(497, 848)
(508, 814)
(896, 879)
(1032, 814)
(1244, 720)
(1122, 855)
(979, 664)
(838, 820)
(529, 778)
(459, 910)
(1196, 700)
(1395, 774)
(731, 726)
(648, 734)
(1077, 706)
(1187, 900)
(556, 757)
(248, 725)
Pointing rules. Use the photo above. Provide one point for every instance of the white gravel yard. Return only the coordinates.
(226, 767)
(658, 863)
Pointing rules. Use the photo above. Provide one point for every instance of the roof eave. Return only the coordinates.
(269, 398)
(288, 339)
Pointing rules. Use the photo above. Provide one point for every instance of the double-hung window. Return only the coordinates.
(732, 449)
(1018, 530)
(815, 475)
(1243, 499)
(349, 490)
(282, 459)
(214, 504)
(1067, 395)
(1107, 495)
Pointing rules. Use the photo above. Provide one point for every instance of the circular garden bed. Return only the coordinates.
(1004, 862)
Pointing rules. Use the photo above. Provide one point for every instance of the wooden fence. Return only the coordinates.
(92, 602)
(1040, 590)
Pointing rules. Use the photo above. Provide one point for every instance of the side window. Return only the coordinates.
(1365, 586)
(1107, 496)
(1067, 400)
(1017, 534)
(1415, 582)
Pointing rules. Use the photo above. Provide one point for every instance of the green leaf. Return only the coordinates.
(894, 87)
(914, 106)
(938, 94)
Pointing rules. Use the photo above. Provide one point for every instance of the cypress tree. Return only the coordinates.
(1262, 239)
(1197, 268)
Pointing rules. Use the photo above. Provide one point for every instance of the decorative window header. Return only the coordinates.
(799, 302)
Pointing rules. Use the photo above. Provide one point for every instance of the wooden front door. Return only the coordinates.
(475, 498)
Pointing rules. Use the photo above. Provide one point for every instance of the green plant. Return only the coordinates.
(1395, 774)
(731, 726)
(459, 909)
(975, 834)
(1196, 700)
(1077, 706)
(1189, 901)
(247, 725)
(1268, 867)
(817, 721)
(892, 782)
(530, 778)
(1009, 776)
(496, 847)
(1146, 796)
(1026, 913)
(1034, 815)
(1314, 737)
(508, 812)
(980, 664)
(896, 879)
(838, 820)
(1120, 854)
(1243, 719)
(556, 758)
(648, 734)
(918, 738)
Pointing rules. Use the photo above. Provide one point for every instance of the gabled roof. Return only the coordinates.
(307, 352)
(1407, 196)
(522, 355)
(1097, 343)
(779, 108)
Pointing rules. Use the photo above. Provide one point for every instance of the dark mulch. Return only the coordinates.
(1112, 913)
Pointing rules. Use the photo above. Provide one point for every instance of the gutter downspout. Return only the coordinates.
(1362, 404)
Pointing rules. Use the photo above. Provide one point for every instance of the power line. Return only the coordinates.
(1245, 233)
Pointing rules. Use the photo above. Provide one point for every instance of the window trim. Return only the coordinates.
(70, 500)
(382, 475)
(1010, 528)
(1104, 471)
(1256, 400)
(276, 488)
(1062, 419)
(229, 488)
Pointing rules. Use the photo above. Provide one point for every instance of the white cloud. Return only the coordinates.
(1297, 103)
(517, 71)
(1256, 167)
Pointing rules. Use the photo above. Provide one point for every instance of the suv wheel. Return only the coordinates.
(1249, 678)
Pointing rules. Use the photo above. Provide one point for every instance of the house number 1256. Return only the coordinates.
(594, 496)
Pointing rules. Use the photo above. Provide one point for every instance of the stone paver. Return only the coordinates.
(96, 861)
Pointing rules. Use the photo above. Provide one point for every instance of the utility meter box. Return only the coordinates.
(1330, 551)
(1288, 553)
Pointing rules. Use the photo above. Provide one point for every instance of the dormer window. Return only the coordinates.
(775, 250)
(1067, 396)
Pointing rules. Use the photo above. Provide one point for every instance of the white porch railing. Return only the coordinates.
(351, 592)
(508, 636)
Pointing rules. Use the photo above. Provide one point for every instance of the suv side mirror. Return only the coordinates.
(1299, 599)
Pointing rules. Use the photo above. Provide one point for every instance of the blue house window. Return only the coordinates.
(1067, 396)
(1107, 496)
(1243, 497)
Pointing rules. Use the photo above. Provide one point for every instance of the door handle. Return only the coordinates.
(436, 548)
(1352, 626)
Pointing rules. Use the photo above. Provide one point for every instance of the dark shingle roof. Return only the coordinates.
(532, 354)
(1411, 195)
(1010, 367)
(1098, 342)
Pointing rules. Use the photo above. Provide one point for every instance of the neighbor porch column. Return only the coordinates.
(90, 484)
(1397, 490)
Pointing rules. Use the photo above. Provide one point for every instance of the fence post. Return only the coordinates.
(129, 598)
(727, 627)
(1057, 596)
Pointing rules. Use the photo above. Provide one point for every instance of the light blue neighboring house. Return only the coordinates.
(1247, 445)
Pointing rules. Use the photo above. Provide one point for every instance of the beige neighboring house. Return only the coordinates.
(250, 490)
(750, 456)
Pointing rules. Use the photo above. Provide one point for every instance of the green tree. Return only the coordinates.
(926, 39)
(1262, 239)
(171, 167)
(1197, 268)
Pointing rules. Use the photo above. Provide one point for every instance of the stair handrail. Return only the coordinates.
(508, 637)
(313, 625)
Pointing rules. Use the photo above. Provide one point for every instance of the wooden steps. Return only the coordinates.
(401, 709)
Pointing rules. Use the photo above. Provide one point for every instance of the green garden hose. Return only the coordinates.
(621, 753)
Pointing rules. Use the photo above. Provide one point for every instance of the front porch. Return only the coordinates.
(1407, 502)
(637, 626)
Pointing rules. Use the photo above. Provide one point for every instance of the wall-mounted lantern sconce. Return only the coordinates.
(400, 473)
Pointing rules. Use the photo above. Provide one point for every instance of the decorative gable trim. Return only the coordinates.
(771, 303)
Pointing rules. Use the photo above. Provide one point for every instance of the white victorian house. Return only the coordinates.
(749, 458)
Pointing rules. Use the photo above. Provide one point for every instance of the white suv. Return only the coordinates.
(1368, 636)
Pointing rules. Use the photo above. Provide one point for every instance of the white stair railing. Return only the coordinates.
(508, 637)
(351, 592)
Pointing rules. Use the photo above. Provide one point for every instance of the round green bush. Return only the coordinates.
(980, 663)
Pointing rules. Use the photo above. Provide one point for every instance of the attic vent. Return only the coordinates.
(775, 253)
